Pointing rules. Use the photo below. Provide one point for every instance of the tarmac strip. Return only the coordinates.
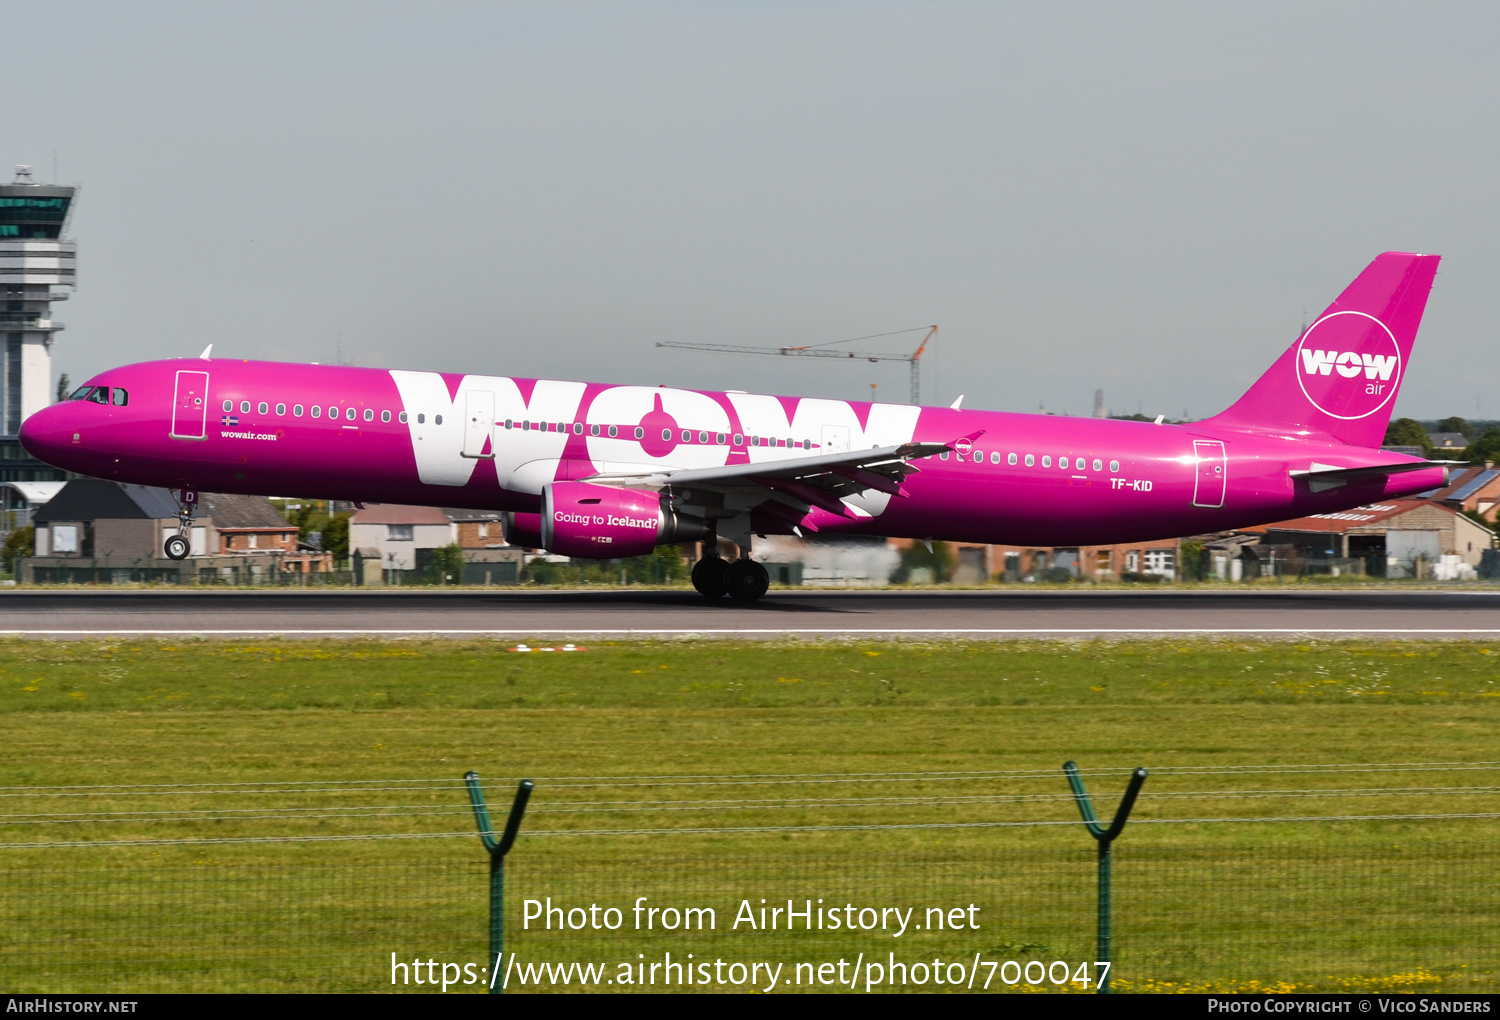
(766, 632)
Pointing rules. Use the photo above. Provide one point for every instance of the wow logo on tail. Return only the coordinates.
(1348, 365)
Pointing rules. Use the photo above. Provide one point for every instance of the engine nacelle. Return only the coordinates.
(524, 530)
(602, 523)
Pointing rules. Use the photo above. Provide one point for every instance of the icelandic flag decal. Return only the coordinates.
(229, 419)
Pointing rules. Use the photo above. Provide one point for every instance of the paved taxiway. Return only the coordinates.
(811, 614)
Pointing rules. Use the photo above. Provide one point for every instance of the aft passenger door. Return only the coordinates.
(479, 422)
(190, 406)
(1213, 473)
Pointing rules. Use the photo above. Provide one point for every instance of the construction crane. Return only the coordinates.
(825, 351)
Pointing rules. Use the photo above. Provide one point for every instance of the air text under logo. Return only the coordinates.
(1348, 365)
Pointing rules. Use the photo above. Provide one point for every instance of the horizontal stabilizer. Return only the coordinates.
(1321, 477)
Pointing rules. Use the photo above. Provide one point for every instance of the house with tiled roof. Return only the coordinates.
(399, 537)
(1407, 537)
(95, 531)
(247, 524)
(1475, 489)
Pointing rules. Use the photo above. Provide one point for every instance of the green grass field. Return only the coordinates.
(1389, 903)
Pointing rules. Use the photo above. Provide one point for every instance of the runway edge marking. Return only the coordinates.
(727, 631)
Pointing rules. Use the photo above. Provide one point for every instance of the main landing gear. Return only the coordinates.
(177, 546)
(744, 580)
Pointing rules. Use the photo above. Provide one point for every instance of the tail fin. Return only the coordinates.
(1342, 374)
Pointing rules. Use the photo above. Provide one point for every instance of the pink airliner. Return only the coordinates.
(603, 471)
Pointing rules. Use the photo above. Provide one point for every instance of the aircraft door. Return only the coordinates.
(1213, 473)
(835, 439)
(479, 423)
(190, 406)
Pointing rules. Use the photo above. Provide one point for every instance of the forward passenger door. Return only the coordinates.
(190, 406)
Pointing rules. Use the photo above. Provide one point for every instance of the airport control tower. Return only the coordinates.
(35, 258)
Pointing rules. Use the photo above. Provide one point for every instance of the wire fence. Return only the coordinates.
(1225, 879)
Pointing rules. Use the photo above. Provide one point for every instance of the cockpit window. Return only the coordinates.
(101, 395)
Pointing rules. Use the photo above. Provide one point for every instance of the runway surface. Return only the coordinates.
(552, 615)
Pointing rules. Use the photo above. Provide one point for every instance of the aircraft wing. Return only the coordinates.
(788, 488)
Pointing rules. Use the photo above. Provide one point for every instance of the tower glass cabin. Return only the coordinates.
(35, 258)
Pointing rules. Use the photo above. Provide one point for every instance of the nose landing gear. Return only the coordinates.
(177, 546)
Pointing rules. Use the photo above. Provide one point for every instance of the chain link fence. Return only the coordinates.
(178, 898)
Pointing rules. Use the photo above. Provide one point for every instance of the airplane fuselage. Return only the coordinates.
(494, 442)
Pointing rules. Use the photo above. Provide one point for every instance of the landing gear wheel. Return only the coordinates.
(710, 577)
(746, 580)
(177, 548)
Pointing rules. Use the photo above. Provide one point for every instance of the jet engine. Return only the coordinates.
(600, 522)
(524, 530)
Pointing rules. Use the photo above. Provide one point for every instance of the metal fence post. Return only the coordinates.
(497, 850)
(1104, 837)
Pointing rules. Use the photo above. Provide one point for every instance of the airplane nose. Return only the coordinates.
(47, 433)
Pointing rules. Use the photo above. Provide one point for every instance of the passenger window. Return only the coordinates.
(385, 416)
(739, 440)
(296, 410)
(402, 419)
(687, 437)
(978, 457)
(280, 410)
(369, 414)
(666, 435)
(593, 430)
(119, 397)
(943, 455)
(1046, 461)
(437, 419)
(422, 420)
(613, 432)
(1062, 462)
(350, 413)
(228, 404)
(244, 407)
(640, 433)
(263, 408)
(703, 437)
(1011, 460)
(1098, 464)
(508, 422)
(578, 428)
(1114, 466)
(720, 438)
(995, 457)
(315, 411)
(1030, 460)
